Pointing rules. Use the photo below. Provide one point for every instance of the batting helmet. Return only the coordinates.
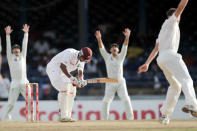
(86, 53)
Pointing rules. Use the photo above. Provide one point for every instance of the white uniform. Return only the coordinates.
(4, 88)
(173, 67)
(18, 73)
(114, 67)
(61, 82)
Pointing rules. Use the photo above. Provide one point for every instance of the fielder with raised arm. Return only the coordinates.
(114, 65)
(58, 70)
(17, 64)
(172, 65)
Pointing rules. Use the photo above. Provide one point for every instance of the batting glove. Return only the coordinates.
(82, 82)
(74, 81)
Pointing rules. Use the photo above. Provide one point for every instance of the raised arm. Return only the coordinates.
(99, 39)
(25, 40)
(123, 52)
(181, 7)
(8, 31)
(144, 67)
(101, 45)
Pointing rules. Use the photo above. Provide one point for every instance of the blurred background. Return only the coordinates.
(56, 25)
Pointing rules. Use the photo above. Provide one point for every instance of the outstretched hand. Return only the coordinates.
(98, 34)
(8, 30)
(26, 28)
(127, 32)
(143, 68)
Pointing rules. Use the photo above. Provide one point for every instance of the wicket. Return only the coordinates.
(30, 91)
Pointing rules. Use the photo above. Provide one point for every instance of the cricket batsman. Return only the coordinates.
(172, 65)
(17, 64)
(58, 70)
(114, 65)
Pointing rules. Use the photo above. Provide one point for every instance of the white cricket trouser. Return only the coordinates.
(67, 91)
(16, 88)
(110, 91)
(177, 74)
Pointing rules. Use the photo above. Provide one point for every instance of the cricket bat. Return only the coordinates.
(102, 80)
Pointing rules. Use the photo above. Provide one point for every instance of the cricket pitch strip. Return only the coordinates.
(100, 125)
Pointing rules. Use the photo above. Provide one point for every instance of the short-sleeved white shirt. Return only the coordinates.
(169, 35)
(69, 58)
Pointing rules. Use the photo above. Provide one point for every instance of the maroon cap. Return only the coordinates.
(86, 53)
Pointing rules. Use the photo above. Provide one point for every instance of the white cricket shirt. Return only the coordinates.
(69, 58)
(169, 35)
(114, 65)
(17, 65)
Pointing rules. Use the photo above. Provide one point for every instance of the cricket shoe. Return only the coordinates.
(165, 120)
(130, 118)
(67, 120)
(72, 120)
(190, 109)
(8, 118)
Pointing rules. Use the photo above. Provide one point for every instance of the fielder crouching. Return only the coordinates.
(58, 70)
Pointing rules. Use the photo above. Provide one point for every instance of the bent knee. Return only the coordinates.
(176, 89)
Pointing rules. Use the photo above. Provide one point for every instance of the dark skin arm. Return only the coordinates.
(80, 73)
(64, 69)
